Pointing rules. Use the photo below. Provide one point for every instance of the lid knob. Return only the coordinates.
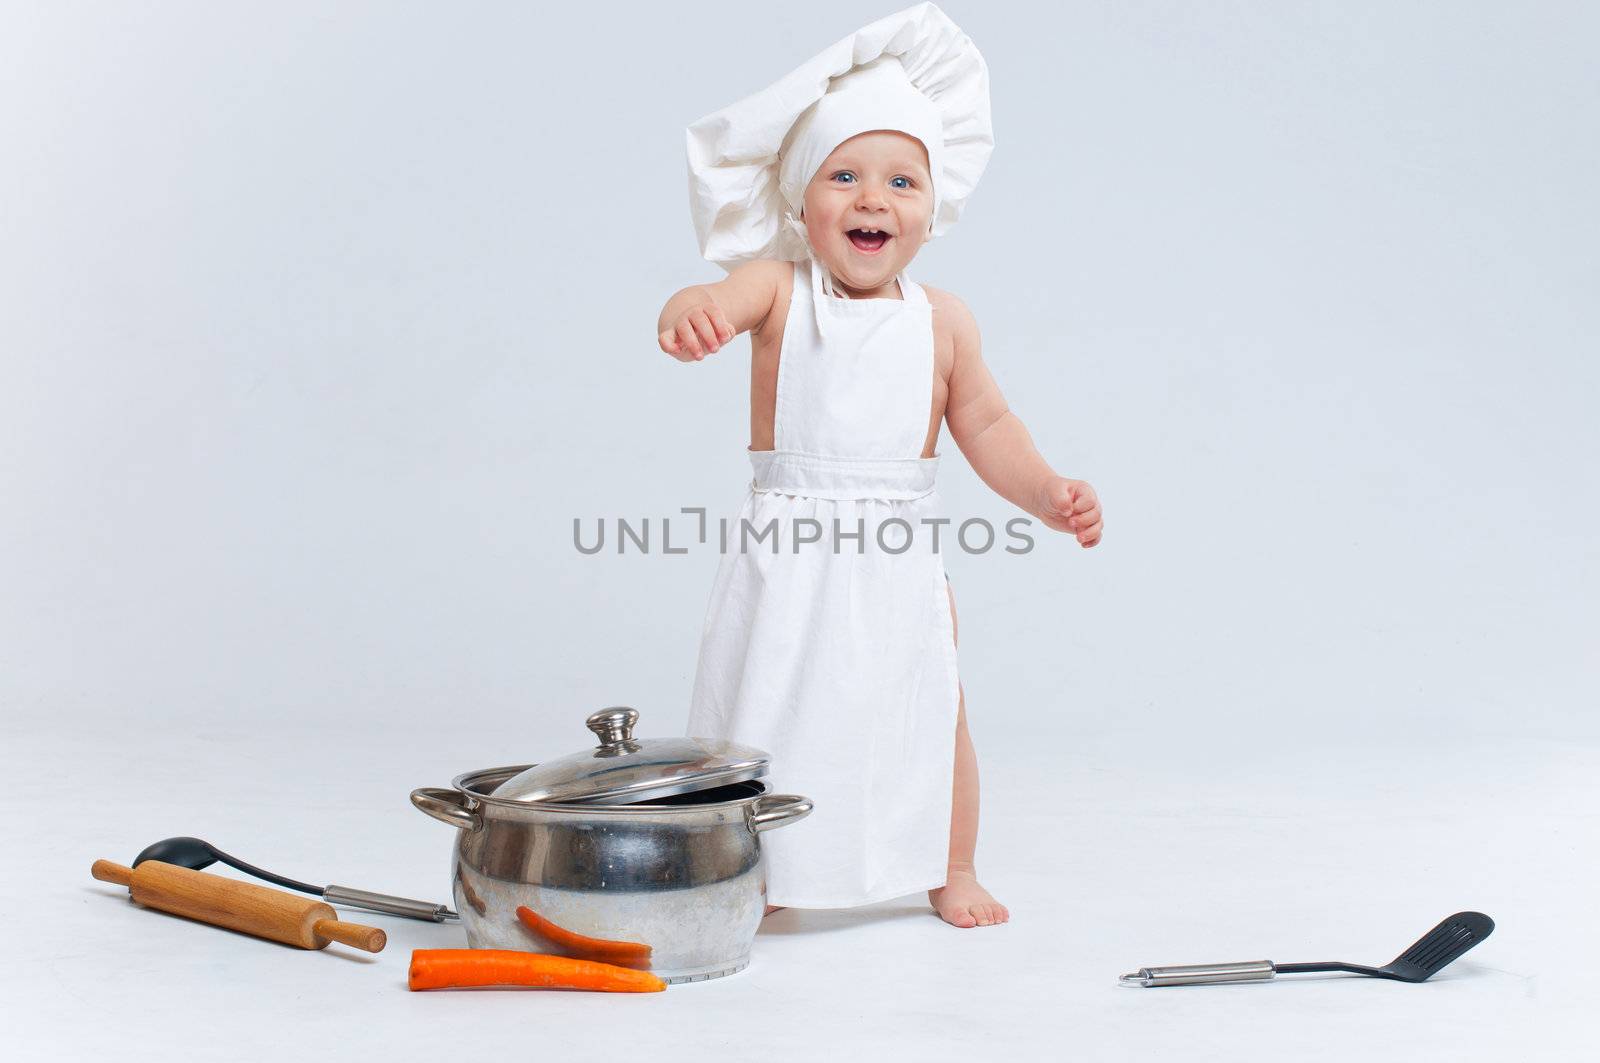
(614, 726)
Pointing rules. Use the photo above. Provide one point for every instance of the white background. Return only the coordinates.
(319, 325)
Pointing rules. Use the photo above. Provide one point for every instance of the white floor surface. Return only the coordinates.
(1111, 856)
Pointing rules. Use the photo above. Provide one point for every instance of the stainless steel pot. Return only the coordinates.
(675, 884)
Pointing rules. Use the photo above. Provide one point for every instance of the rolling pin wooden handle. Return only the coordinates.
(242, 906)
(106, 871)
(366, 938)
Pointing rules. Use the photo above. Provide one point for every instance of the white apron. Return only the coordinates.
(842, 665)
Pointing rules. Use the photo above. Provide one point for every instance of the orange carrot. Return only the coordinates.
(625, 953)
(457, 968)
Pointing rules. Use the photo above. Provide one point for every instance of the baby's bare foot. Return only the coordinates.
(962, 902)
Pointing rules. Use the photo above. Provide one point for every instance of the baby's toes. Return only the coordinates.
(961, 917)
(984, 913)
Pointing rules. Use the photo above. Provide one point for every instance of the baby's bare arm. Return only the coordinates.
(997, 443)
(699, 319)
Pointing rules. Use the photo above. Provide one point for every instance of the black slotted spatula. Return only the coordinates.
(1431, 953)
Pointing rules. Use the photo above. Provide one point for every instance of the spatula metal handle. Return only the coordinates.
(1202, 974)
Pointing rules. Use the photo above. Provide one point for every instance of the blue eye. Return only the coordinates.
(906, 185)
(844, 173)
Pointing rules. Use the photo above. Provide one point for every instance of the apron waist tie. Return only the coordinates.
(791, 472)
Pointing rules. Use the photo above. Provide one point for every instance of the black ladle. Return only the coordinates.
(196, 854)
(1429, 955)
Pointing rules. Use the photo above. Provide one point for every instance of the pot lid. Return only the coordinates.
(623, 769)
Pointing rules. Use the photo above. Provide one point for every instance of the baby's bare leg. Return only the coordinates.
(961, 901)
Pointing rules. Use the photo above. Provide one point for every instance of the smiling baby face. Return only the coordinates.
(867, 211)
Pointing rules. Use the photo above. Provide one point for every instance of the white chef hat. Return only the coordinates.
(749, 164)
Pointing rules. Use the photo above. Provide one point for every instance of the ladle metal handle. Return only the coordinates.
(389, 905)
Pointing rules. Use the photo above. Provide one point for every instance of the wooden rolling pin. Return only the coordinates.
(243, 906)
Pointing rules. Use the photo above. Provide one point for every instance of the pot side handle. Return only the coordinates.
(775, 810)
(447, 806)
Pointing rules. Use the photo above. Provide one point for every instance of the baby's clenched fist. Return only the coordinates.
(700, 330)
(1071, 506)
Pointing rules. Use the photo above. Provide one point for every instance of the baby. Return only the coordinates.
(838, 656)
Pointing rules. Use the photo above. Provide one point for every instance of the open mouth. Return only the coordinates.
(868, 243)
